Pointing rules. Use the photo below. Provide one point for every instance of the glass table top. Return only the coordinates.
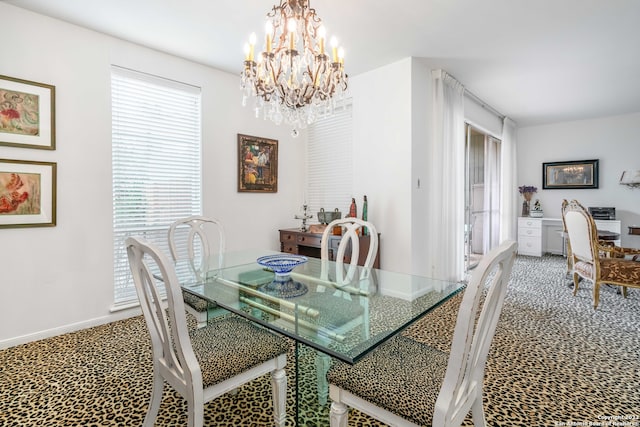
(340, 310)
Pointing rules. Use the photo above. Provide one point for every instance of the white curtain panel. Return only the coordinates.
(445, 224)
(509, 194)
(492, 194)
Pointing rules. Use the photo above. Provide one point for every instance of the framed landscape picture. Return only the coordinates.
(257, 164)
(570, 174)
(27, 114)
(27, 194)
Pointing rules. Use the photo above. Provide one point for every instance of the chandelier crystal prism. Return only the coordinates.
(294, 80)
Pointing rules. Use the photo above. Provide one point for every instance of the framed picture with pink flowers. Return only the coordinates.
(27, 114)
(27, 193)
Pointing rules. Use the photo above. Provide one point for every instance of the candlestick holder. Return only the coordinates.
(304, 217)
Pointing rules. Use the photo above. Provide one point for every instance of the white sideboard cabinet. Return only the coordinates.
(537, 236)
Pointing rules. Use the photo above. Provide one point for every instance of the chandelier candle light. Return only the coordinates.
(294, 79)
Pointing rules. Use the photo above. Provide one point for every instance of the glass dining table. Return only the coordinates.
(330, 310)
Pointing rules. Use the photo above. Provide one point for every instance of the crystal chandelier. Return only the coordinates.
(293, 80)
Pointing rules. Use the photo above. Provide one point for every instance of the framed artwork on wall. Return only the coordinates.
(27, 194)
(570, 174)
(27, 114)
(257, 164)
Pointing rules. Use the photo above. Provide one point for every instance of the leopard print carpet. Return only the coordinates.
(554, 361)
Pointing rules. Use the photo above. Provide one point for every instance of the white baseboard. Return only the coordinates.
(73, 327)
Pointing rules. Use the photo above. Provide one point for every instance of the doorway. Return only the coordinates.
(482, 190)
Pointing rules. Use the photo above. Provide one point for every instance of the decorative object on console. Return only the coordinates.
(365, 213)
(527, 192)
(326, 217)
(353, 209)
(304, 217)
(572, 174)
(27, 114)
(630, 178)
(257, 164)
(536, 210)
(293, 79)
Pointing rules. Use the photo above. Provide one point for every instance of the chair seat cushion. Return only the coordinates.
(197, 303)
(584, 269)
(618, 270)
(230, 346)
(402, 376)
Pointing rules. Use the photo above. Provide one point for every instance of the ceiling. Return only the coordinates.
(536, 61)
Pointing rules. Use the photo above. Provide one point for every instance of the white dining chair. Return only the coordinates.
(407, 383)
(204, 363)
(191, 238)
(349, 245)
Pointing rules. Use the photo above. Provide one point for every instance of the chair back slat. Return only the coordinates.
(167, 327)
(350, 240)
(475, 327)
(192, 238)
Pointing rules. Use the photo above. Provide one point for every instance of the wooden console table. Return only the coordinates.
(294, 241)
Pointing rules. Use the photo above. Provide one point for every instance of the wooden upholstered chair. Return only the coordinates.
(405, 382)
(352, 228)
(204, 363)
(190, 238)
(593, 261)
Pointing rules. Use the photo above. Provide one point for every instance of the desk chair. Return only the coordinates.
(190, 238)
(407, 383)
(593, 261)
(207, 362)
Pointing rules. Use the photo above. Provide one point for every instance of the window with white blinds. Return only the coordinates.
(330, 162)
(156, 161)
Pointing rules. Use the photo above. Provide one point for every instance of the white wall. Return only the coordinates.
(382, 156)
(612, 140)
(59, 279)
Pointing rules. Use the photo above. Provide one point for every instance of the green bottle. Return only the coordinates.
(365, 232)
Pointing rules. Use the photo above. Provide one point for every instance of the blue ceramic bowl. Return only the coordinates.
(281, 264)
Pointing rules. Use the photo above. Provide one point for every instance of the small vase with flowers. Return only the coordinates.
(527, 192)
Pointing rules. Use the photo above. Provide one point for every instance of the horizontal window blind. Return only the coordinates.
(156, 161)
(330, 163)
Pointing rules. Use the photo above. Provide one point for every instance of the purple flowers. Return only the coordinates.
(527, 189)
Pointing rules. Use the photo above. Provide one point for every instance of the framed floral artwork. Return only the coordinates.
(27, 193)
(257, 164)
(27, 114)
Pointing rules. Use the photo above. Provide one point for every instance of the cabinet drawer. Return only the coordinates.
(529, 246)
(529, 223)
(529, 232)
(289, 248)
(306, 240)
(287, 237)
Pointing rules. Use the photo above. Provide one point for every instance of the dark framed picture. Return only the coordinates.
(257, 164)
(27, 114)
(27, 194)
(571, 174)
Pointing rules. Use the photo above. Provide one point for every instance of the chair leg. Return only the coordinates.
(576, 281)
(156, 399)
(279, 391)
(195, 410)
(477, 413)
(322, 367)
(596, 294)
(624, 291)
(338, 415)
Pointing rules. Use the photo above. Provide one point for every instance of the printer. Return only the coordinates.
(602, 213)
